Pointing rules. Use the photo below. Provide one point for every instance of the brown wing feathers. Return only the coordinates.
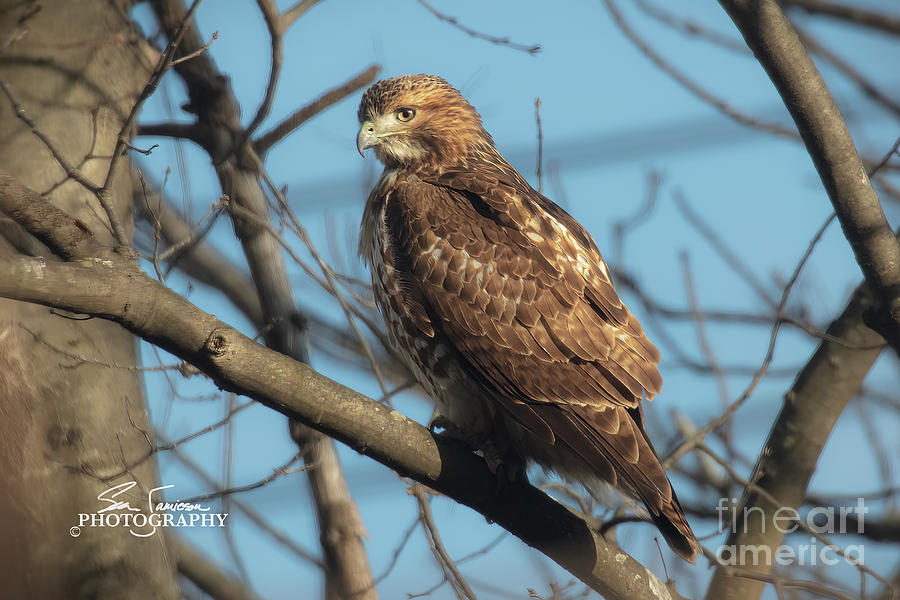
(493, 288)
(475, 260)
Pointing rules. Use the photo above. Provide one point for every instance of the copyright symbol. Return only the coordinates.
(75, 531)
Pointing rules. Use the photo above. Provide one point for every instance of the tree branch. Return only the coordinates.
(846, 12)
(239, 172)
(811, 409)
(105, 284)
(206, 575)
(779, 50)
(287, 126)
(501, 41)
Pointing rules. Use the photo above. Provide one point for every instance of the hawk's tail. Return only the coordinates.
(615, 445)
(673, 525)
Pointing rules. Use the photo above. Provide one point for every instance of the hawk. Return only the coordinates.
(501, 305)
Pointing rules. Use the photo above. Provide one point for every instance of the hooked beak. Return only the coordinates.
(366, 138)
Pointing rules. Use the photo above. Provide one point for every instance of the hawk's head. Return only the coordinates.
(419, 121)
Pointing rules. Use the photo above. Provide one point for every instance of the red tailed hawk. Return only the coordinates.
(501, 305)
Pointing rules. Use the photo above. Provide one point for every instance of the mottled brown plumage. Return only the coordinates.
(501, 304)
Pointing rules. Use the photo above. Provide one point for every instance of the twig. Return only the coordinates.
(690, 28)
(705, 346)
(688, 445)
(820, 590)
(689, 85)
(165, 60)
(886, 159)
(277, 25)
(196, 52)
(249, 512)
(502, 41)
(848, 12)
(723, 249)
(276, 473)
(265, 141)
(753, 487)
(296, 11)
(395, 556)
(206, 575)
(329, 284)
(451, 571)
(624, 226)
(71, 171)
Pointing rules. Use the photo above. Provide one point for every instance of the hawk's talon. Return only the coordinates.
(440, 422)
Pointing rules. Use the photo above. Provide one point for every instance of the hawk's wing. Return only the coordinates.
(519, 288)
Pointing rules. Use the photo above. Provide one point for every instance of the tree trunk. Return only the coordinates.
(72, 413)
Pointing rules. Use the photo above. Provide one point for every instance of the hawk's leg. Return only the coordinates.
(451, 431)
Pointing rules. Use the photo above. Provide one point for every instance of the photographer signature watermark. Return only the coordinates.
(118, 512)
(820, 520)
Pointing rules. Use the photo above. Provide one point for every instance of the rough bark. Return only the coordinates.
(66, 422)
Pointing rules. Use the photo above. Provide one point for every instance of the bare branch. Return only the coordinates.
(277, 472)
(690, 28)
(847, 12)
(723, 250)
(196, 52)
(252, 515)
(239, 171)
(850, 72)
(69, 168)
(776, 45)
(183, 131)
(688, 445)
(688, 84)
(501, 41)
(165, 61)
(296, 11)
(445, 562)
(886, 159)
(206, 575)
(265, 142)
(812, 406)
(276, 36)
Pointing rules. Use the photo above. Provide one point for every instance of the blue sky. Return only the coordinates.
(609, 117)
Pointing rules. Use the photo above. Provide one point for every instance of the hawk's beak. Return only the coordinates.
(366, 138)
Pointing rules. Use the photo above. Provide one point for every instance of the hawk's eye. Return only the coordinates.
(405, 114)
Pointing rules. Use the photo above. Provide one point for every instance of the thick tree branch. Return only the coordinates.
(106, 284)
(203, 263)
(811, 408)
(779, 50)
